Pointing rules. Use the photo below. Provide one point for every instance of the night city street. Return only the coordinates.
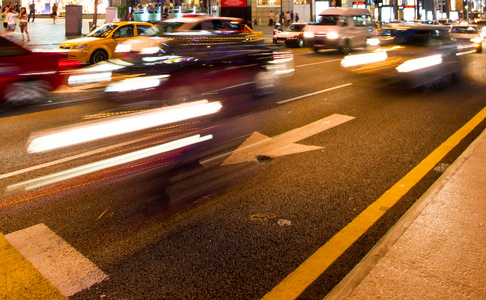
(239, 195)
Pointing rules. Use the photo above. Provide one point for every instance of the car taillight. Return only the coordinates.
(70, 64)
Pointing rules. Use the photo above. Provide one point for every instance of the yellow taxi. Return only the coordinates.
(100, 44)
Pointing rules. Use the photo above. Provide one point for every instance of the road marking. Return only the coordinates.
(315, 93)
(285, 143)
(19, 279)
(297, 281)
(317, 63)
(65, 268)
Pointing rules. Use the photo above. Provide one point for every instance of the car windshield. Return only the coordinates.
(469, 29)
(163, 27)
(295, 27)
(103, 31)
(330, 20)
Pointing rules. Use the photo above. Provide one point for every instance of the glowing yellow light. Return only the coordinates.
(362, 59)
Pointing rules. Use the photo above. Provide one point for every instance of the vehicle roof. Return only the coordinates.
(129, 22)
(202, 17)
(346, 11)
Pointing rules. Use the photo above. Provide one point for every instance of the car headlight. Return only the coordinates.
(308, 34)
(363, 59)
(79, 47)
(139, 83)
(477, 40)
(420, 63)
(332, 35)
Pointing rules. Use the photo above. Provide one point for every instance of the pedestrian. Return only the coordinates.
(296, 17)
(16, 7)
(31, 11)
(11, 22)
(270, 18)
(291, 16)
(165, 15)
(287, 19)
(281, 19)
(54, 13)
(5, 20)
(23, 17)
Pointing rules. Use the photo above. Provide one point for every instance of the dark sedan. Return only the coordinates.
(178, 70)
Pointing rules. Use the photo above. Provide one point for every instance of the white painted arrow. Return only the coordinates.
(285, 143)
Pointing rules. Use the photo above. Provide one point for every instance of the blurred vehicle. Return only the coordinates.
(215, 29)
(100, 44)
(481, 23)
(292, 36)
(340, 28)
(468, 37)
(27, 76)
(180, 70)
(414, 56)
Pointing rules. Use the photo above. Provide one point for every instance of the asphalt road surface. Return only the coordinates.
(286, 215)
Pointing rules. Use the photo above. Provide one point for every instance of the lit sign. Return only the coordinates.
(233, 3)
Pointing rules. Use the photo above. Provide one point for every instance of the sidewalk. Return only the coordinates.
(438, 248)
(44, 34)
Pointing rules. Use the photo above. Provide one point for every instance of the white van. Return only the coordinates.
(342, 28)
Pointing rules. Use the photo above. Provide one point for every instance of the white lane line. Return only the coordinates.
(315, 93)
(67, 269)
(317, 63)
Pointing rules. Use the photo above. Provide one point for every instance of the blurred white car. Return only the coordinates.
(468, 37)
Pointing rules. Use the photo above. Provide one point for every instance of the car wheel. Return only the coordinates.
(480, 50)
(97, 56)
(346, 47)
(27, 92)
(300, 43)
(316, 50)
(265, 83)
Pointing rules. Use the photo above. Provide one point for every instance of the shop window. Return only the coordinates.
(268, 2)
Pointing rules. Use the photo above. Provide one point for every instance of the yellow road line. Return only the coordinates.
(19, 279)
(297, 281)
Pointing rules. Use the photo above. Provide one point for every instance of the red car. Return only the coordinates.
(27, 76)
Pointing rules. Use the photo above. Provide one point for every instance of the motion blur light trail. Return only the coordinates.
(108, 163)
(124, 124)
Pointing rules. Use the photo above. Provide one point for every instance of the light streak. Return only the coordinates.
(123, 124)
(108, 163)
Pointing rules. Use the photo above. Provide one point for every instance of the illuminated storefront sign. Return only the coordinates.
(233, 3)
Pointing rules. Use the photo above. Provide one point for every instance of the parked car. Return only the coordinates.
(468, 37)
(413, 56)
(100, 44)
(340, 28)
(292, 36)
(27, 76)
